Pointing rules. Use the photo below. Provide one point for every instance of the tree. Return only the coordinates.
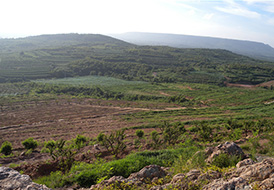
(6, 148)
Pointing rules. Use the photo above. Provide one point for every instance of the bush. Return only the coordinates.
(114, 143)
(225, 160)
(30, 144)
(79, 141)
(6, 148)
(171, 133)
(156, 141)
(139, 133)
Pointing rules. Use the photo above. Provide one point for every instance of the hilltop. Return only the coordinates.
(70, 55)
(249, 48)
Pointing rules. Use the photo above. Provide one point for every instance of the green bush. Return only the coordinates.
(114, 142)
(80, 141)
(156, 141)
(172, 132)
(139, 133)
(86, 175)
(6, 148)
(225, 160)
(30, 144)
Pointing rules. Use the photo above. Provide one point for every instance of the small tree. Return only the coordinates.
(6, 148)
(62, 153)
(156, 141)
(80, 141)
(171, 133)
(114, 143)
(30, 144)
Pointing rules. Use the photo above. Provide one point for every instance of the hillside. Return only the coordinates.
(248, 48)
(70, 55)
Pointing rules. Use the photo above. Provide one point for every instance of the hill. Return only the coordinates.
(248, 48)
(70, 55)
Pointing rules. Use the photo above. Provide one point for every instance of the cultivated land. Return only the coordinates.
(153, 105)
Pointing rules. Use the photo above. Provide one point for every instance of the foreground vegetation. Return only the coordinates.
(205, 114)
(178, 95)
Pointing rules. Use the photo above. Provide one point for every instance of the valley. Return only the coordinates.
(92, 107)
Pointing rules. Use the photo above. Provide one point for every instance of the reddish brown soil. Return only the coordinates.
(65, 120)
(62, 119)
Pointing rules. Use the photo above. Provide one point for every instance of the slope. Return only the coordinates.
(248, 48)
(69, 55)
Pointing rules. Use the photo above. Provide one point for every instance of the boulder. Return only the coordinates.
(137, 179)
(149, 172)
(12, 179)
(245, 162)
(234, 183)
(229, 148)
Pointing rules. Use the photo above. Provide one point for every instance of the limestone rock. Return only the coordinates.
(245, 162)
(228, 148)
(135, 179)
(149, 172)
(11, 179)
(234, 183)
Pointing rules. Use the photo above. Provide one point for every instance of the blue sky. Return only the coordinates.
(237, 19)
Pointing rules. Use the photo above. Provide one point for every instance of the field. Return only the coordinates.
(62, 109)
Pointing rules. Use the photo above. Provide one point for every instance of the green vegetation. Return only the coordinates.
(6, 148)
(71, 55)
(178, 97)
(114, 142)
(88, 174)
(30, 144)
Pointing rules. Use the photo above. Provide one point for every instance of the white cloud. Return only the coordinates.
(239, 12)
(236, 9)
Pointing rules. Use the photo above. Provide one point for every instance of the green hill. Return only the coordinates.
(249, 48)
(69, 55)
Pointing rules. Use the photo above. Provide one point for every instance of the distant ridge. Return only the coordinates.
(55, 40)
(252, 49)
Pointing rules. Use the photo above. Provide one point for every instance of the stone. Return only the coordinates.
(12, 179)
(245, 162)
(229, 148)
(149, 172)
(234, 183)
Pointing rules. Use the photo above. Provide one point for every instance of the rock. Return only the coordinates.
(149, 172)
(267, 184)
(178, 178)
(245, 162)
(258, 171)
(229, 148)
(234, 183)
(193, 174)
(210, 175)
(12, 179)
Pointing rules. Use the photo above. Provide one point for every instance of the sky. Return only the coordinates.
(251, 20)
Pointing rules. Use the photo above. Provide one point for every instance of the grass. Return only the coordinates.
(91, 81)
(86, 175)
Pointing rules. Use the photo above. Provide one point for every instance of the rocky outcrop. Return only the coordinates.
(246, 175)
(12, 180)
(229, 148)
(138, 179)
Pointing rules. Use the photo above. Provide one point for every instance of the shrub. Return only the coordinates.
(6, 148)
(139, 133)
(156, 141)
(62, 153)
(114, 142)
(79, 141)
(171, 133)
(30, 144)
(225, 160)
